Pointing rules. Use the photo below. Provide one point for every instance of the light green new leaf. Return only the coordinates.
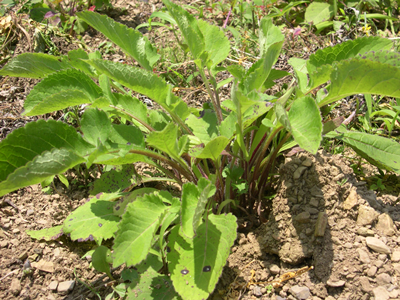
(306, 123)
(363, 77)
(131, 41)
(166, 140)
(189, 28)
(137, 229)
(34, 65)
(152, 285)
(318, 12)
(215, 43)
(95, 126)
(205, 126)
(190, 195)
(206, 190)
(143, 82)
(47, 234)
(197, 263)
(212, 149)
(269, 34)
(61, 90)
(94, 220)
(379, 151)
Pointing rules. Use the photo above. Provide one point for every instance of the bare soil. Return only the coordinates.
(322, 217)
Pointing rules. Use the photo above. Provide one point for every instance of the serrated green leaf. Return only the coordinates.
(95, 126)
(77, 60)
(47, 234)
(212, 149)
(119, 208)
(94, 220)
(360, 77)
(131, 41)
(166, 140)
(150, 286)
(379, 151)
(144, 82)
(269, 34)
(34, 65)
(306, 123)
(61, 90)
(137, 229)
(215, 43)
(189, 28)
(205, 126)
(198, 262)
(318, 12)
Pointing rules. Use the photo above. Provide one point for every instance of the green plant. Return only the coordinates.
(221, 157)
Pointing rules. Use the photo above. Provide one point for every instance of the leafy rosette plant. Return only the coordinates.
(221, 156)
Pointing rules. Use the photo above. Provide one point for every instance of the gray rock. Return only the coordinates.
(365, 285)
(380, 293)
(351, 200)
(372, 271)
(365, 231)
(383, 279)
(300, 292)
(363, 256)
(395, 256)
(274, 269)
(300, 170)
(303, 217)
(320, 225)
(257, 291)
(377, 245)
(15, 287)
(335, 283)
(307, 162)
(53, 286)
(366, 215)
(66, 286)
(385, 225)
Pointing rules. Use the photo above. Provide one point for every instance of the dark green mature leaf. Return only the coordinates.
(100, 260)
(189, 28)
(137, 229)
(144, 82)
(306, 123)
(47, 234)
(357, 76)
(61, 90)
(95, 220)
(150, 286)
(379, 151)
(34, 65)
(131, 41)
(115, 180)
(23, 151)
(197, 263)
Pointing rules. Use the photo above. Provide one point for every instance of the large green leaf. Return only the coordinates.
(379, 151)
(95, 126)
(131, 41)
(166, 140)
(189, 28)
(95, 220)
(61, 90)
(197, 263)
(34, 65)
(204, 127)
(137, 229)
(47, 234)
(357, 76)
(306, 123)
(24, 150)
(144, 82)
(269, 34)
(318, 12)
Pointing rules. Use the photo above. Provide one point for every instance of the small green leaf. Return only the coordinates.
(119, 208)
(34, 65)
(94, 220)
(131, 41)
(212, 149)
(100, 260)
(205, 126)
(47, 234)
(95, 125)
(114, 180)
(198, 262)
(137, 229)
(306, 123)
(269, 34)
(318, 12)
(166, 140)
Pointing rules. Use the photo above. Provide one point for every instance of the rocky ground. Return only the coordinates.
(321, 217)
